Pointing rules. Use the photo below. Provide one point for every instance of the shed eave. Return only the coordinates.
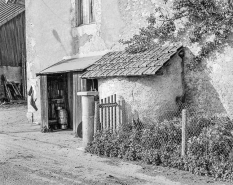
(70, 65)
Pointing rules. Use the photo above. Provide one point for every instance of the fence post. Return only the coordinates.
(184, 132)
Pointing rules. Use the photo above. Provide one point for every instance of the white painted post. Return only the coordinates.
(87, 115)
(184, 132)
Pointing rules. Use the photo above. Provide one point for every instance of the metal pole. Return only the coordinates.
(184, 132)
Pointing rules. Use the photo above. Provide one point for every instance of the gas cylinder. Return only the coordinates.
(62, 117)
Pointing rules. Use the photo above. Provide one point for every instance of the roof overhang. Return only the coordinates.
(122, 63)
(20, 2)
(8, 11)
(70, 65)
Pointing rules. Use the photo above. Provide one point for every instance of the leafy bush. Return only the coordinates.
(209, 148)
(138, 141)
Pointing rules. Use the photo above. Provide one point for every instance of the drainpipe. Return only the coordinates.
(182, 56)
(87, 115)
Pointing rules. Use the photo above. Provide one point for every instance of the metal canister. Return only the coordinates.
(62, 117)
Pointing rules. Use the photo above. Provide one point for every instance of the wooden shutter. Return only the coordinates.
(80, 12)
(91, 11)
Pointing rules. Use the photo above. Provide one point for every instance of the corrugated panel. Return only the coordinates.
(8, 11)
(122, 63)
(73, 64)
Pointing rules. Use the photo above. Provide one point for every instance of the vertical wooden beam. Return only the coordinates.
(84, 85)
(86, 13)
(70, 98)
(111, 114)
(108, 113)
(119, 114)
(105, 115)
(76, 101)
(78, 86)
(114, 113)
(44, 101)
(101, 115)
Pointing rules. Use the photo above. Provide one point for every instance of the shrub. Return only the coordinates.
(209, 149)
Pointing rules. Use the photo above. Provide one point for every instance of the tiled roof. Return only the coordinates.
(8, 11)
(121, 63)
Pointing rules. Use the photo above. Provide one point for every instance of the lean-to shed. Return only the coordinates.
(151, 83)
(12, 45)
(59, 85)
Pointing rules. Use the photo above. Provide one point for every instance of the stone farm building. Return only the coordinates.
(12, 45)
(65, 38)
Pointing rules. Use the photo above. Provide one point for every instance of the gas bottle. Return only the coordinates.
(62, 117)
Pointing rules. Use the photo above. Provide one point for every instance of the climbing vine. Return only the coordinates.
(200, 19)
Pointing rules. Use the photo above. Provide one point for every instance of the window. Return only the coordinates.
(85, 12)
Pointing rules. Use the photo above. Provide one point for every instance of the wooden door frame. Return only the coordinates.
(44, 101)
(79, 85)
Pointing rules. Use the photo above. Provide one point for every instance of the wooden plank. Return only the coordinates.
(91, 11)
(118, 114)
(83, 84)
(105, 115)
(114, 112)
(108, 114)
(108, 105)
(123, 112)
(77, 111)
(70, 98)
(44, 101)
(86, 13)
(101, 116)
(111, 113)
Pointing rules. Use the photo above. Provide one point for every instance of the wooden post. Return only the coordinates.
(70, 98)
(184, 132)
(83, 85)
(109, 116)
(114, 113)
(77, 105)
(101, 116)
(44, 101)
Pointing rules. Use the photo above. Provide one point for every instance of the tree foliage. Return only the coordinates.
(201, 19)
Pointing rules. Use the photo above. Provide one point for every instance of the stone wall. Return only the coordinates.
(52, 35)
(48, 37)
(149, 98)
(208, 86)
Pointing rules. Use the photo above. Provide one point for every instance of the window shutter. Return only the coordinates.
(80, 12)
(85, 11)
(91, 12)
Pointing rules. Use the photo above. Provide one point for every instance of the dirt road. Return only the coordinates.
(30, 157)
